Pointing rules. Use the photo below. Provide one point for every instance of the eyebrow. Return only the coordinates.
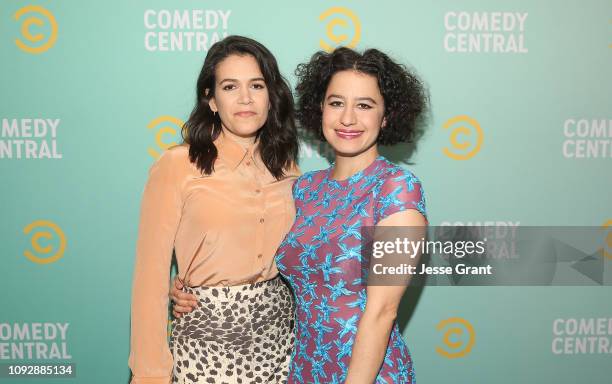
(236, 80)
(358, 99)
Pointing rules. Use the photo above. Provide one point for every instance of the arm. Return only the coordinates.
(400, 202)
(150, 358)
(381, 310)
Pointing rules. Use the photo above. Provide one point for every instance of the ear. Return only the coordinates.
(384, 122)
(211, 102)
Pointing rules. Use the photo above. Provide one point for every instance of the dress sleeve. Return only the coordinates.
(398, 193)
(150, 358)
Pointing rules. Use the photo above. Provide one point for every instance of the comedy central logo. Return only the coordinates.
(341, 18)
(606, 250)
(164, 125)
(458, 339)
(35, 40)
(465, 138)
(52, 248)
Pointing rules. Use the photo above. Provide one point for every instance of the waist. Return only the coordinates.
(239, 292)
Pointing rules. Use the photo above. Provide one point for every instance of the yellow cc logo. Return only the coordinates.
(39, 16)
(606, 251)
(458, 338)
(45, 254)
(173, 126)
(465, 139)
(334, 21)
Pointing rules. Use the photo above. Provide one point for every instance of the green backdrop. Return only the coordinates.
(520, 131)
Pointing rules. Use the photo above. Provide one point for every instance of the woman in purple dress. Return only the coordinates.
(346, 330)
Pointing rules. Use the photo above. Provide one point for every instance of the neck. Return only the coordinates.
(244, 142)
(347, 166)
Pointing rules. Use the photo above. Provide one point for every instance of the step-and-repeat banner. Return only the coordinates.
(520, 135)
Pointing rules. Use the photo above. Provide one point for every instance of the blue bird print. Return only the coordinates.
(309, 287)
(407, 179)
(322, 351)
(349, 253)
(326, 200)
(348, 325)
(360, 302)
(297, 370)
(320, 329)
(353, 230)
(309, 252)
(327, 269)
(324, 233)
(298, 191)
(344, 349)
(359, 209)
(332, 216)
(325, 308)
(306, 270)
(308, 221)
(292, 238)
(338, 290)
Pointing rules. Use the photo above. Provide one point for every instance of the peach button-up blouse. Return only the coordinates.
(224, 228)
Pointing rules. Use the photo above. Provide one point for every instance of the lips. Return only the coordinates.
(348, 135)
(245, 113)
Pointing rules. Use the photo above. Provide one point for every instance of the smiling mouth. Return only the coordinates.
(245, 114)
(348, 135)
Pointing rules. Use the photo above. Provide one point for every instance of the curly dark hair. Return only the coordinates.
(278, 137)
(405, 97)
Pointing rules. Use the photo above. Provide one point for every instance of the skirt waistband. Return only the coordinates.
(237, 292)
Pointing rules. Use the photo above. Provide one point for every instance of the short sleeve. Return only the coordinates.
(399, 192)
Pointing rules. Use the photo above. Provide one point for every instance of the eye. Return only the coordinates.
(364, 106)
(335, 103)
(259, 86)
(228, 87)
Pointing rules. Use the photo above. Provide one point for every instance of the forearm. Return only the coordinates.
(370, 346)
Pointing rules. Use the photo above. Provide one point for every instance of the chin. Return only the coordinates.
(348, 150)
(247, 131)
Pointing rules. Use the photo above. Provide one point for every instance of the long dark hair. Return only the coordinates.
(278, 143)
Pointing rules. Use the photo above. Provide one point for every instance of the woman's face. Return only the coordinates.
(241, 96)
(353, 110)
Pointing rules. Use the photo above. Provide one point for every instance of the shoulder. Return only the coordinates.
(174, 160)
(177, 152)
(293, 171)
(311, 177)
(307, 181)
(395, 176)
(399, 189)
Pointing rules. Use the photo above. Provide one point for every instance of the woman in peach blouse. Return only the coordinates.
(222, 201)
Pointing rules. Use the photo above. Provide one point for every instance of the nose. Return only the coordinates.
(348, 116)
(245, 96)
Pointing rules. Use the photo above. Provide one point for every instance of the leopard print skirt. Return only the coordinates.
(238, 334)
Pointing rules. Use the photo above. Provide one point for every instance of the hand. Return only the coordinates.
(183, 302)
